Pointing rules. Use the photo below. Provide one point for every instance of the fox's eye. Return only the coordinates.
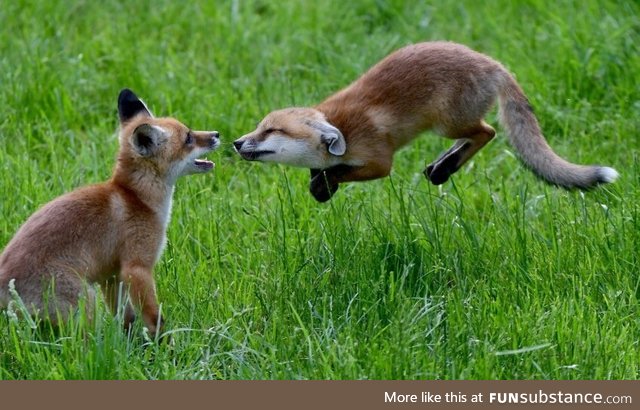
(189, 139)
(271, 130)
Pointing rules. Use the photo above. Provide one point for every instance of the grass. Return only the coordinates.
(494, 275)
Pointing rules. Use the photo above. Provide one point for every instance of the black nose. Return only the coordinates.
(215, 134)
(238, 144)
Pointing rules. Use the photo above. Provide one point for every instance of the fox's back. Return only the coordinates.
(422, 86)
(423, 71)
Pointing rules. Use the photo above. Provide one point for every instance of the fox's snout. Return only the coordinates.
(211, 141)
(247, 148)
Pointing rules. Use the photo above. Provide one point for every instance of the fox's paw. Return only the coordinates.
(127, 322)
(322, 188)
(438, 173)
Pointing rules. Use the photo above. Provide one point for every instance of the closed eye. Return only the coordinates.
(272, 130)
(189, 139)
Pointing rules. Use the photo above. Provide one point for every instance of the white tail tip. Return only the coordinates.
(608, 175)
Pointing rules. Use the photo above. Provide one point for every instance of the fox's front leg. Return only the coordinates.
(322, 185)
(326, 182)
(119, 304)
(142, 290)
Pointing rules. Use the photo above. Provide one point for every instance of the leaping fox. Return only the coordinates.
(442, 86)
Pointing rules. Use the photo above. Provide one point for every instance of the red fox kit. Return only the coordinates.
(108, 233)
(446, 87)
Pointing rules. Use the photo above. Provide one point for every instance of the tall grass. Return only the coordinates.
(492, 275)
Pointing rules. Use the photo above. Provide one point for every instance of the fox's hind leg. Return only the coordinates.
(65, 294)
(468, 142)
(50, 296)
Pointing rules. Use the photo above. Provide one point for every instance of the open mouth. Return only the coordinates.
(204, 164)
(254, 155)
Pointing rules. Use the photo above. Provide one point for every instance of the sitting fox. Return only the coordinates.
(108, 233)
(445, 87)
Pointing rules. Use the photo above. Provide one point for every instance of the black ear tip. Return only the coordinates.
(129, 106)
(127, 95)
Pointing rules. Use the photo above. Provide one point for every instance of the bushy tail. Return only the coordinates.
(524, 133)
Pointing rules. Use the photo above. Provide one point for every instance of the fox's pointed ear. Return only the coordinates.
(331, 136)
(129, 106)
(147, 138)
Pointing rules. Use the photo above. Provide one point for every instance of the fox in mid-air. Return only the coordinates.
(442, 86)
(110, 233)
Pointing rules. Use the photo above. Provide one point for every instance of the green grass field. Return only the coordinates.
(492, 275)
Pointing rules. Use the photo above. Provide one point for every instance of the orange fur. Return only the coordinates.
(110, 232)
(445, 87)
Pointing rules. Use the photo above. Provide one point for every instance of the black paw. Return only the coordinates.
(427, 171)
(439, 172)
(314, 172)
(321, 188)
(127, 323)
